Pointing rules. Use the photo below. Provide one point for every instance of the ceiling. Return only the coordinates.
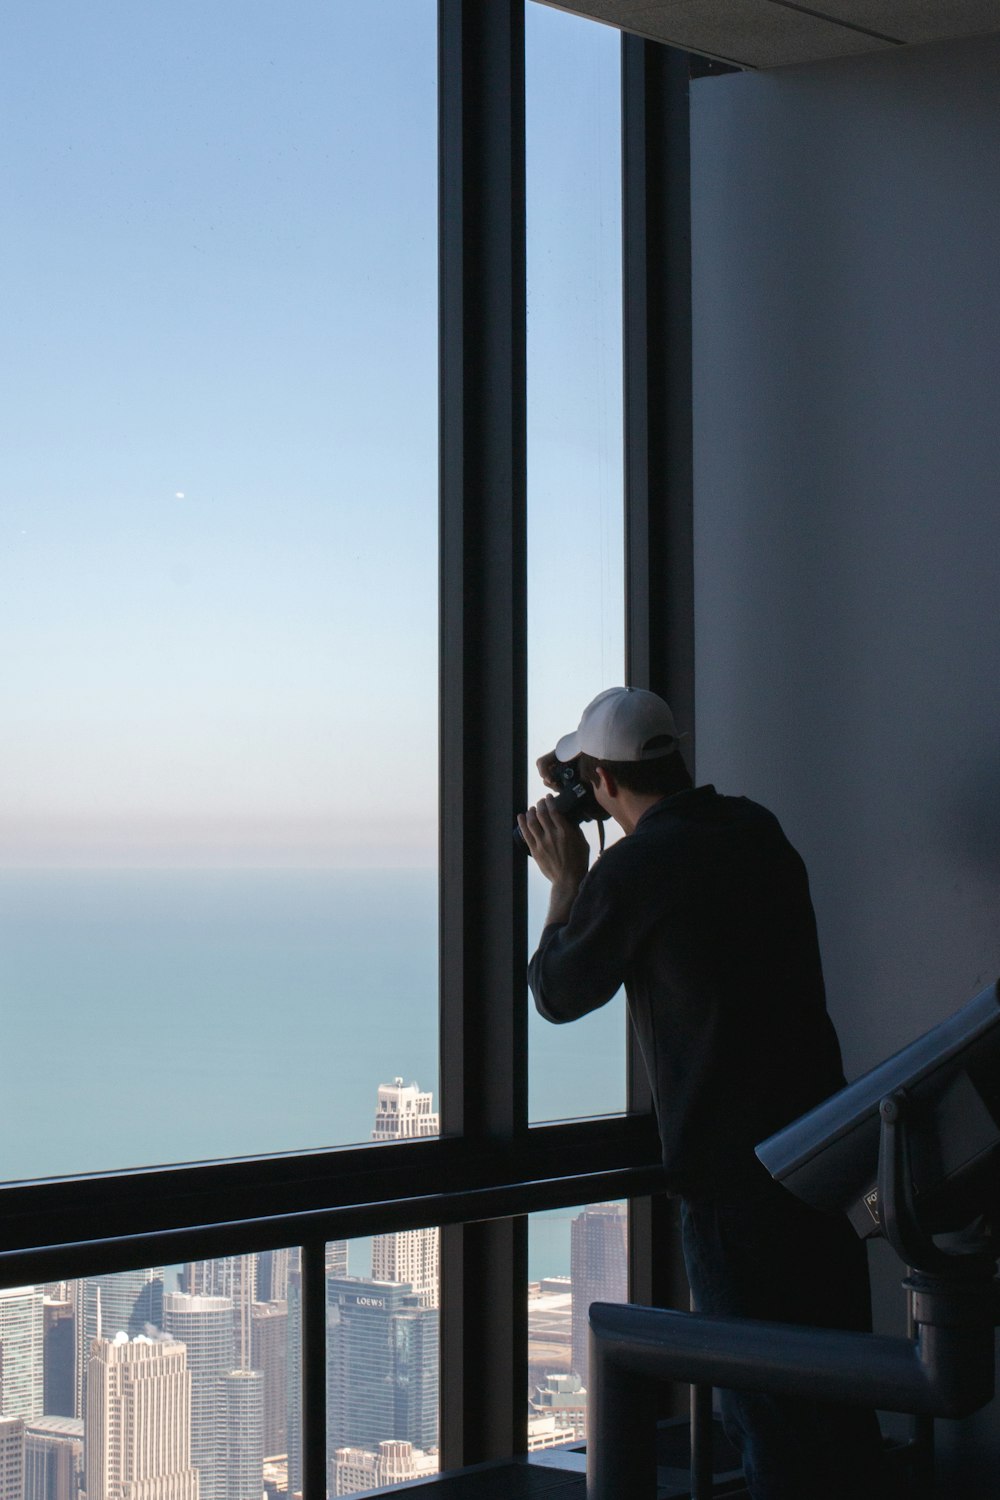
(773, 33)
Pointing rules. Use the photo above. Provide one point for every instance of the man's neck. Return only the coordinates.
(633, 805)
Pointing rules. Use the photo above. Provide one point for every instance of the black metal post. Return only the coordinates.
(313, 1315)
(920, 1448)
(483, 701)
(659, 566)
(702, 1476)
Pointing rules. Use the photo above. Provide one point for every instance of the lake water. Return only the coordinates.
(157, 1016)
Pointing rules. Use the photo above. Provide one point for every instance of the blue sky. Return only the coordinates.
(218, 500)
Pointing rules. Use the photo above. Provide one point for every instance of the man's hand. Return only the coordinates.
(543, 766)
(560, 851)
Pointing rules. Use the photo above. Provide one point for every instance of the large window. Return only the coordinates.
(236, 297)
(576, 642)
(218, 585)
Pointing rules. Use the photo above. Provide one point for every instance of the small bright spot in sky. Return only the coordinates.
(178, 494)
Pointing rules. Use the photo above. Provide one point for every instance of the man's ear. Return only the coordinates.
(606, 782)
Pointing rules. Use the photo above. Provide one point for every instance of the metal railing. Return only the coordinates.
(944, 1369)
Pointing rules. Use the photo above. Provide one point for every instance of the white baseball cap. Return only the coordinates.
(622, 723)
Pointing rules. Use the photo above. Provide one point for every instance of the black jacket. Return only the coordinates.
(703, 913)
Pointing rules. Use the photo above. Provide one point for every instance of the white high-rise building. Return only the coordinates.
(411, 1255)
(22, 1342)
(138, 1429)
(235, 1277)
(204, 1325)
(242, 1435)
(403, 1113)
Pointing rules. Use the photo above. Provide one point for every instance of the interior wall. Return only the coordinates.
(846, 249)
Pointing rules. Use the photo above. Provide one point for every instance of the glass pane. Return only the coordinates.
(170, 1380)
(382, 1360)
(575, 1257)
(218, 588)
(575, 535)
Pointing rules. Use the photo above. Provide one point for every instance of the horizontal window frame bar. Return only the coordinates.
(53, 1230)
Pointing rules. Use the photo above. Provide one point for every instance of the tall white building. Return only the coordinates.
(404, 1113)
(138, 1428)
(22, 1345)
(242, 1435)
(235, 1277)
(204, 1325)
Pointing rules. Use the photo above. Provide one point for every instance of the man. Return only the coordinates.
(703, 912)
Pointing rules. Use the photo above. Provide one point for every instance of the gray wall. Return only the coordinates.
(847, 517)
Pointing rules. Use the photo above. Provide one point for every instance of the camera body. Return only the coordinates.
(575, 798)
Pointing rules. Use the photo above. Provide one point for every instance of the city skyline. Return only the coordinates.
(239, 1414)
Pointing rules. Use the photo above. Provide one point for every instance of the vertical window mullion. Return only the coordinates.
(314, 1356)
(483, 701)
(659, 565)
(656, 186)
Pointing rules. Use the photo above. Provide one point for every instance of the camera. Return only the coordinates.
(575, 798)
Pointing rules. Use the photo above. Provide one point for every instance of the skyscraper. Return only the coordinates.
(335, 1258)
(598, 1269)
(241, 1430)
(235, 1277)
(382, 1365)
(411, 1255)
(138, 1428)
(21, 1346)
(269, 1353)
(204, 1325)
(403, 1113)
(59, 1354)
(273, 1267)
(125, 1302)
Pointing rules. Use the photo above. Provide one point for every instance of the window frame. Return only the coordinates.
(489, 1168)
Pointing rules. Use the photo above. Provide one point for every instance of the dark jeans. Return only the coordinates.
(779, 1260)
